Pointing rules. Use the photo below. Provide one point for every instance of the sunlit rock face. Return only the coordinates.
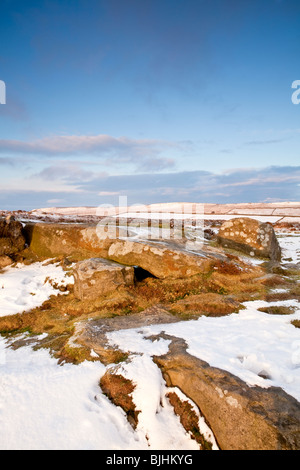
(95, 277)
(12, 240)
(250, 236)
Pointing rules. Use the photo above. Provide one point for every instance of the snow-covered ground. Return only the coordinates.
(44, 405)
(25, 287)
(248, 344)
(290, 247)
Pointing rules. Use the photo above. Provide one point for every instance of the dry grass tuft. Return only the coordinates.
(209, 304)
(296, 323)
(278, 310)
(188, 419)
(118, 389)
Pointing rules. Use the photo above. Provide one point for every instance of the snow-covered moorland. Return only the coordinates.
(44, 405)
(25, 287)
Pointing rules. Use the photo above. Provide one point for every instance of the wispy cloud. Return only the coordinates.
(209, 187)
(84, 144)
(6, 161)
(264, 142)
(64, 172)
(78, 187)
(156, 164)
(244, 185)
(136, 154)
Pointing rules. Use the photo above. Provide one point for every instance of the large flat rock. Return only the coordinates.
(161, 259)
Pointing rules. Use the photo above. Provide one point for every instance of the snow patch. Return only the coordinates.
(25, 287)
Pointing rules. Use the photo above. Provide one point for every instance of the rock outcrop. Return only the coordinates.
(163, 260)
(92, 333)
(250, 236)
(12, 240)
(241, 417)
(96, 276)
(77, 240)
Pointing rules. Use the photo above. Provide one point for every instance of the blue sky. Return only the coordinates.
(158, 100)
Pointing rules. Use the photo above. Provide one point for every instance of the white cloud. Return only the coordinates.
(108, 193)
(245, 185)
(84, 144)
(113, 152)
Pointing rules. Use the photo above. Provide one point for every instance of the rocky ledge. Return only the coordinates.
(122, 283)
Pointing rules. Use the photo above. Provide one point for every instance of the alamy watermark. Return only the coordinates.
(184, 222)
(296, 95)
(2, 92)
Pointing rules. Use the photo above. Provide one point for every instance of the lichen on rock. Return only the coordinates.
(250, 236)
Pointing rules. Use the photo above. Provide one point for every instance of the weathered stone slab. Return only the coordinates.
(250, 236)
(93, 332)
(163, 260)
(241, 417)
(95, 277)
(48, 240)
